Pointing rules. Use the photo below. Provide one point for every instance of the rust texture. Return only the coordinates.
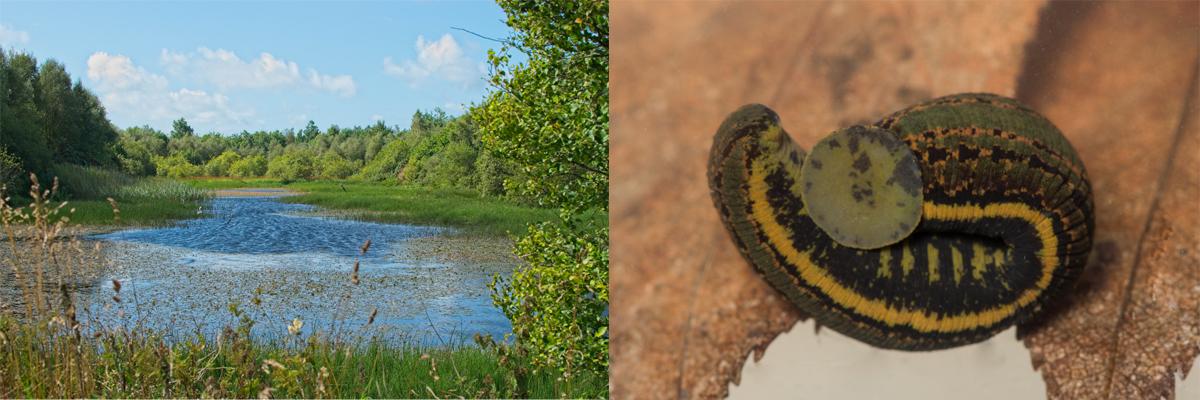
(1118, 79)
(686, 308)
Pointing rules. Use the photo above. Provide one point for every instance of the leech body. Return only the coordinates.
(1005, 223)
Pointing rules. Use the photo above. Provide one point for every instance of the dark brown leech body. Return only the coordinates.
(1006, 224)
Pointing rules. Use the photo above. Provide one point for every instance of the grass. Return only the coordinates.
(157, 201)
(46, 352)
(142, 201)
(49, 360)
(145, 201)
(463, 209)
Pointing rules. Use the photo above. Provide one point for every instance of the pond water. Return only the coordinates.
(182, 279)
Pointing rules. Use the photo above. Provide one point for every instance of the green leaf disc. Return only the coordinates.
(862, 186)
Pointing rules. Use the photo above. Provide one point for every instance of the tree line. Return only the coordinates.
(436, 150)
(49, 121)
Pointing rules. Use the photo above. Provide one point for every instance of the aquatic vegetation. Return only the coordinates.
(146, 201)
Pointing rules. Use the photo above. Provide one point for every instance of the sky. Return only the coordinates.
(264, 65)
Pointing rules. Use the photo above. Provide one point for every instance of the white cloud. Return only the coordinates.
(441, 59)
(129, 90)
(298, 119)
(376, 117)
(226, 70)
(341, 84)
(10, 36)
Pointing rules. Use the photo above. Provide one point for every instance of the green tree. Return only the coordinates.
(180, 128)
(453, 166)
(20, 119)
(94, 138)
(176, 166)
(310, 131)
(47, 119)
(219, 165)
(336, 167)
(294, 164)
(249, 167)
(55, 101)
(388, 163)
(136, 148)
(549, 116)
(491, 172)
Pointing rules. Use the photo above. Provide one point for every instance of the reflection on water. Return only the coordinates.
(183, 277)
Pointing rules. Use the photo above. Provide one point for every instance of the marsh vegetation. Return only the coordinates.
(70, 330)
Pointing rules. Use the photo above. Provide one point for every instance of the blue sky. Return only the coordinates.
(233, 66)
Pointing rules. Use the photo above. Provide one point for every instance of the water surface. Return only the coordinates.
(182, 279)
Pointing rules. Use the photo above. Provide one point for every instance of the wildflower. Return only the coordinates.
(295, 327)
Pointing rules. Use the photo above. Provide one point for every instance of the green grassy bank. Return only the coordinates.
(141, 201)
(463, 209)
(158, 201)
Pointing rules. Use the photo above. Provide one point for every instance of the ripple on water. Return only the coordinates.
(263, 225)
(193, 270)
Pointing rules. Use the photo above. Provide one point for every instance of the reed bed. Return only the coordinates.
(145, 201)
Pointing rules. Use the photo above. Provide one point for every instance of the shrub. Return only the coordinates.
(336, 167)
(565, 280)
(452, 167)
(292, 166)
(10, 170)
(249, 167)
(387, 163)
(176, 166)
(219, 165)
(490, 173)
(135, 165)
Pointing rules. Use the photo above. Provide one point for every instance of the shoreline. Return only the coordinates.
(255, 192)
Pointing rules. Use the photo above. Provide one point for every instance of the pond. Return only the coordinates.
(298, 264)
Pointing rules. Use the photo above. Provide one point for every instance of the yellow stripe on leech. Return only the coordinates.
(906, 260)
(956, 260)
(931, 255)
(885, 264)
(979, 261)
(779, 239)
